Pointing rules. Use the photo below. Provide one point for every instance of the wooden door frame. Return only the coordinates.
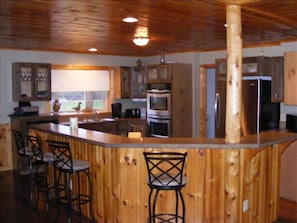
(203, 99)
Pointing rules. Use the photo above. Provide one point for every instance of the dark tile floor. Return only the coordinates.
(18, 209)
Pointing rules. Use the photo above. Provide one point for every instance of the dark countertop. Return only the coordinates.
(116, 141)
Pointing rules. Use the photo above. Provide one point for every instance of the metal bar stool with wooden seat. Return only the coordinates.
(25, 171)
(42, 160)
(68, 190)
(165, 173)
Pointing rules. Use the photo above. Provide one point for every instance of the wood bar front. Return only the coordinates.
(119, 174)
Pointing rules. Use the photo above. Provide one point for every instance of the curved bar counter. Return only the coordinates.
(220, 175)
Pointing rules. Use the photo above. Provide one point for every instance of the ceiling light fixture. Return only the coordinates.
(141, 41)
(130, 20)
(92, 49)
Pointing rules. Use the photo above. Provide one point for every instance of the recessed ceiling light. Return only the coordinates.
(130, 20)
(92, 49)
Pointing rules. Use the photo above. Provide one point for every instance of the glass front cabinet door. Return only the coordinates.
(159, 73)
(31, 82)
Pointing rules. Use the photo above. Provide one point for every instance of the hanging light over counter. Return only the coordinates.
(141, 41)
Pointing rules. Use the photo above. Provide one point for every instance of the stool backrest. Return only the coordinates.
(62, 155)
(35, 145)
(19, 142)
(165, 169)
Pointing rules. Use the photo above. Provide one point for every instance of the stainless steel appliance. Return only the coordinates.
(159, 127)
(158, 103)
(258, 112)
(159, 109)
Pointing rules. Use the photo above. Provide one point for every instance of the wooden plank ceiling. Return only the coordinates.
(172, 25)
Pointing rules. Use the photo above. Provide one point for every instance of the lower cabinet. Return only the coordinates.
(138, 125)
(118, 127)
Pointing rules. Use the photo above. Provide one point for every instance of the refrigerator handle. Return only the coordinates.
(217, 110)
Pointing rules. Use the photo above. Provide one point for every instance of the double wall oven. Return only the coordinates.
(159, 109)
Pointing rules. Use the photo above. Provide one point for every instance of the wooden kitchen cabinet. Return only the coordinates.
(133, 82)
(31, 82)
(159, 73)
(290, 78)
(260, 66)
(138, 125)
(112, 127)
(181, 100)
(179, 76)
(138, 83)
(276, 70)
(126, 82)
(251, 66)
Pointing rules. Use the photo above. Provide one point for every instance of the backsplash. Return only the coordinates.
(129, 103)
(287, 109)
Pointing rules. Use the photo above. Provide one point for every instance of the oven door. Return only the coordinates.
(158, 103)
(159, 127)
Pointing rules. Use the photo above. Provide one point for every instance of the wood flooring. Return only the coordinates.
(16, 209)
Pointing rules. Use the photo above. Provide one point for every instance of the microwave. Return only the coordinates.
(158, 103)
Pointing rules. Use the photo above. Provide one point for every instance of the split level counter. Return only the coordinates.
(220, 176)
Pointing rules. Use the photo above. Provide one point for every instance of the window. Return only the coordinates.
(90, 87)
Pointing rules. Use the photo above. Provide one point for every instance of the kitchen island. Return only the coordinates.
(220, 176)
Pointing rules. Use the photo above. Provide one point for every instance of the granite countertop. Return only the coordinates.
(116, 141)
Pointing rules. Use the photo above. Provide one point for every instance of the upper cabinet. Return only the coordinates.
(251, 66)
(290, 78)
(138, 83)
(31, 82)
(159, 73)
(133, 82)
(276, 71)
(260, 66)
(126, 82)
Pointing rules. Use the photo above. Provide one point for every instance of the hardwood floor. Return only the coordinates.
(288, 209)
(14, 209)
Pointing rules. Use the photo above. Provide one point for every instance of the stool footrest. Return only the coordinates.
(166, 217)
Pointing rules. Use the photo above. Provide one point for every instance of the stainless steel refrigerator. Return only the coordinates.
(258, 113)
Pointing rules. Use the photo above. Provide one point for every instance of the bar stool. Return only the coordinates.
(66, 167)
(41, 160)
(25, 171)
(165, 173)
(24, 152)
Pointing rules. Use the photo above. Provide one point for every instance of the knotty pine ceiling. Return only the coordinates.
(172, 25)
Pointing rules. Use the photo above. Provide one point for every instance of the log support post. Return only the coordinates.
(234, 74)
(233, 113)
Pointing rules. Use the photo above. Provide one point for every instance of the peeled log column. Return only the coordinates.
(234, 76)
(233, 113)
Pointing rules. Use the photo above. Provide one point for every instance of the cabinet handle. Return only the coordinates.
(217, 111)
